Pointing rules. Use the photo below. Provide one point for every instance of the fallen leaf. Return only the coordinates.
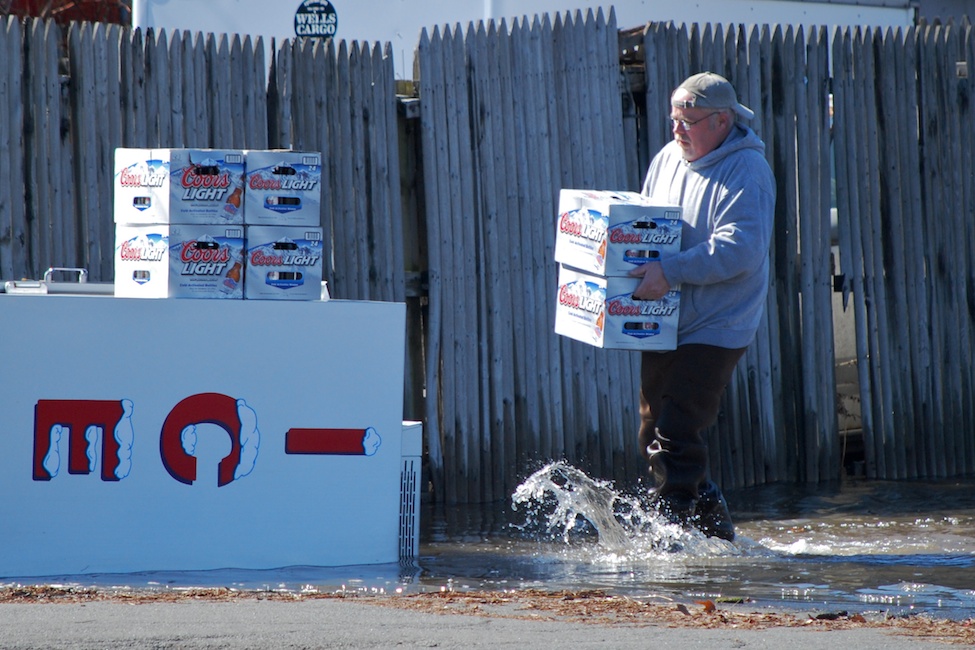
(708, 605)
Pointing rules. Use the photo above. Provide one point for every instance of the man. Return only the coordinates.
(715, 169)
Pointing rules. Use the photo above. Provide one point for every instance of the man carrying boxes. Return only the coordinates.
(715, 170)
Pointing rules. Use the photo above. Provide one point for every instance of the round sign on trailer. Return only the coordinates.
(316, 19)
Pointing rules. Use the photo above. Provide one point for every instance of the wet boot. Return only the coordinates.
(676, 508)
(677, 469)
(711, 514)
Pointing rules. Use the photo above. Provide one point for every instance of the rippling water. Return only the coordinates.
(893, 546)
(898, 547)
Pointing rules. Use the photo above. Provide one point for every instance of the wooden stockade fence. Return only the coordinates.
(340, 99)
(901, 133)
(509, 114)
(111, 87)
(508, 117)
(906, 199)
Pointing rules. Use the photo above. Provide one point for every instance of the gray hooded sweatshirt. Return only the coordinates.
(728, 201)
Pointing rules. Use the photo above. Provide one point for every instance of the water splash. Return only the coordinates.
(560, 496)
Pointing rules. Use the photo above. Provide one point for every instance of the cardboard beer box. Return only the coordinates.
(284, 188)
(179, 186)
(206, 262)
(602, 312)
(284, 263)
(610, 233)
(142, 261)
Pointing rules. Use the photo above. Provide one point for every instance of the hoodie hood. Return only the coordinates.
(740, 138)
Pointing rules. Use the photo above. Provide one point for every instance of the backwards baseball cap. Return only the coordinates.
(710, 90)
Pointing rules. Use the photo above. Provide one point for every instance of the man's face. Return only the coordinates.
(698, 131)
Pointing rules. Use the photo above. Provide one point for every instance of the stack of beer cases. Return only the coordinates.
(283, 216)
(600, 237)
(187, 223)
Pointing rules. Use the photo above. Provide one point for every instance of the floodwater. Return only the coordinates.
(867, 546)
(898, 547)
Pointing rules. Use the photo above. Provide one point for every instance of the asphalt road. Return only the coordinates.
(343, 623)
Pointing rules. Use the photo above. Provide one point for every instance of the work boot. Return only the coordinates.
(711, 514)
(676, 508)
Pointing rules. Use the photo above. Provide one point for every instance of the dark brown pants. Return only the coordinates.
(680, 394)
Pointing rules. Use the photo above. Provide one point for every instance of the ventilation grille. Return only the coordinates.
(409, 508)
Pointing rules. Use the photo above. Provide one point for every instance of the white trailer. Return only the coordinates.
(399, 22)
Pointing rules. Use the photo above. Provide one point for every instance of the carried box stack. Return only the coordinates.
(209, 223)
(601, 236)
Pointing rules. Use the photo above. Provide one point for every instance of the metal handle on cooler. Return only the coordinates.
(82, 273)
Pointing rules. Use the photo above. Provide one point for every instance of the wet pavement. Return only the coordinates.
(897, 548)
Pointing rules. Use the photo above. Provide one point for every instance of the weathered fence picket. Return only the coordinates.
(967, 134)
(877, 124)
(13, 226)
(439, 440)
(45, 186)
(891, 152)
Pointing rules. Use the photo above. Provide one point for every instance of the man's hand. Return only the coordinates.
(654, 285)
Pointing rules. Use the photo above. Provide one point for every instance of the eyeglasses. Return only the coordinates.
(687, 124)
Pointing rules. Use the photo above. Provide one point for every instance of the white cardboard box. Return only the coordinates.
(284, 188)
(179, 261)
(284, 263)
(601, 311)
(179, 186)
(142, 261)
(610, 233)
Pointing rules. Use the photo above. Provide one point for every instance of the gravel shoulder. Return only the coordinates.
(64, 617)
